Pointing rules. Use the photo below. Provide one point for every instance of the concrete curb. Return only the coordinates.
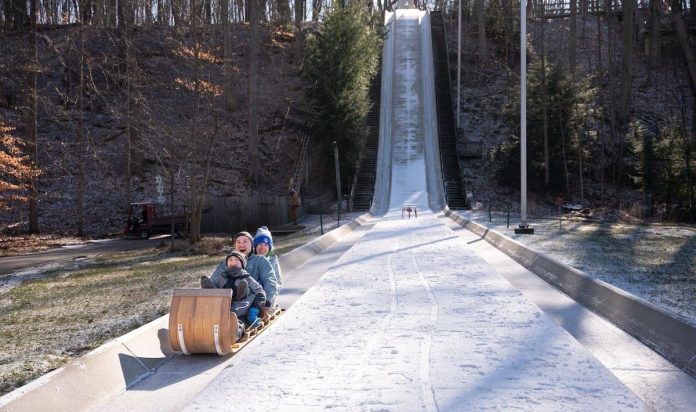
(666, 333)
(298, 256)
(91, 380)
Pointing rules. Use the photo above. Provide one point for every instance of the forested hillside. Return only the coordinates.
(105, 103)
(131, 108)
(173, 101)
(610, 107)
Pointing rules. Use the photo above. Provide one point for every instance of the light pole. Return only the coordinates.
(524, 226)
(459, 61)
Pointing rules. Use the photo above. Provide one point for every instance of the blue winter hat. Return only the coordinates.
(263, 235)
(263, 239)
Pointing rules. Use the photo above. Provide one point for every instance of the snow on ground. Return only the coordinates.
(410, 318)
(655, 263)
(14, 279)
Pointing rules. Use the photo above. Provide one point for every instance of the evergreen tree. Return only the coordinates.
(342, 59)
(568, 112)
(659, 168)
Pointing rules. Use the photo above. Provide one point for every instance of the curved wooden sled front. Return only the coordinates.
(200, 321)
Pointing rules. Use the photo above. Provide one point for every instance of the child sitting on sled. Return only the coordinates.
(248, 296)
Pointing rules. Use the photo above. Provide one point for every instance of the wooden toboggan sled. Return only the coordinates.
(200, 321)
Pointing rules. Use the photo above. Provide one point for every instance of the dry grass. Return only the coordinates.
(48, 321)
(68, 311)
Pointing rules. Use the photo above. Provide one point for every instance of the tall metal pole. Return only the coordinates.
(338, 180)
(459, 61)
(524, 226)
(523, 112)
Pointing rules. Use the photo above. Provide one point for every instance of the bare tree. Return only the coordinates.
(129, 124)
(193, 175)
(509, 34)
(682, 35)
(316, 9)
(544, 98)
(253, 122)
(31, 119)
(230, 103)
(654, 38)
(480, 7)
(572, 34)
(299, 13)
(283, 8)
(601, 111)
(79, 198)
(627, 61)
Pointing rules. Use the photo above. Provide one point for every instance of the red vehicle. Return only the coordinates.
(146, 219)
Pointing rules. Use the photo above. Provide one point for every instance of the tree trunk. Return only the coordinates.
(195, 222)
(627, 61)
(299, 14)
(509, 34)
(481, 24)
(253, 132)
(316, 9)
(32, 120)
(172, 170)
(19, 15)
(194, 232)
(148, 12)
(544, 100)
(572, 35)
(612, 109)
(654, 49)
(176, 12)
(601, 111)
(230, 104)
(129, 129)
(686, 47)
(563, 152)
(282, 8)
(7, 11)
(160, 13)
(261, 10)
(79, 196)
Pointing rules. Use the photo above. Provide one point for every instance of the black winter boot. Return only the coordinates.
(206, 283)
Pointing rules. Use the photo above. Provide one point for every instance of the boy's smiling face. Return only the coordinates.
(234, 262)
(262, 249)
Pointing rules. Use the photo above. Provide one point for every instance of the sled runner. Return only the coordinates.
(200, 321)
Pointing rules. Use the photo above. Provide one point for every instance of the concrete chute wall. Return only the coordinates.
(408, 128)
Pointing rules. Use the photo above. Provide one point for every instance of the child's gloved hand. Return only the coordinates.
(253, 315)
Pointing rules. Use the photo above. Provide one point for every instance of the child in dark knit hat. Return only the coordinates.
(259, 267)
(248, 295)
